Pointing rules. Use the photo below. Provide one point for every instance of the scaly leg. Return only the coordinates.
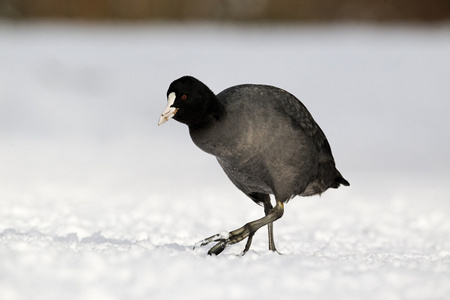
(267, 208)
(248, 230)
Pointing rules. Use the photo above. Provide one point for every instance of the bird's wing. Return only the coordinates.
(300, 117)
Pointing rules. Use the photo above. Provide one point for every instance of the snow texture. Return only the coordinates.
(98, 202)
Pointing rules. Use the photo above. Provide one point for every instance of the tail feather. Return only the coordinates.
(338, 181)
(343, 181)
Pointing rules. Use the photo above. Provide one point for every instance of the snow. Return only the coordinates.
(99, 202)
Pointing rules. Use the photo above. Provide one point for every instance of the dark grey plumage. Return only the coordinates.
(265, 140)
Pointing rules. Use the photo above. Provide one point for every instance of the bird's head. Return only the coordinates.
(191, 102)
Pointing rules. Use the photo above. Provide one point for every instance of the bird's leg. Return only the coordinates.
(267, 208)
(248, 230)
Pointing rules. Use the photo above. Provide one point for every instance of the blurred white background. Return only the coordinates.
(106, 205)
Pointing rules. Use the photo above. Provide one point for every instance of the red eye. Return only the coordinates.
(184, 97)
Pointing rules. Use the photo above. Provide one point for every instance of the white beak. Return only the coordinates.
(169, 111)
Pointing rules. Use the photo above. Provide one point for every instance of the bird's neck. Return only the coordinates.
(214, 112)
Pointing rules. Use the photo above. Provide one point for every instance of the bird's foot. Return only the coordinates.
(276, 251)
(224, 239)
(246, 231)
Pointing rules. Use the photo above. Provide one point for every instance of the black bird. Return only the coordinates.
(265, 140)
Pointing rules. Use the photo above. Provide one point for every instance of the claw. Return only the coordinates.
(223, 236)
(224, 239)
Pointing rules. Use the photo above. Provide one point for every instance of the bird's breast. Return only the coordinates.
(221, 139)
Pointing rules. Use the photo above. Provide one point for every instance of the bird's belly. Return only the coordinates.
(247, 177)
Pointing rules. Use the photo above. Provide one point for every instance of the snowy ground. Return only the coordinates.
(98, 202)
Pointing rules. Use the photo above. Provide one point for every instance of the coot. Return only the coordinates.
(265, 140)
